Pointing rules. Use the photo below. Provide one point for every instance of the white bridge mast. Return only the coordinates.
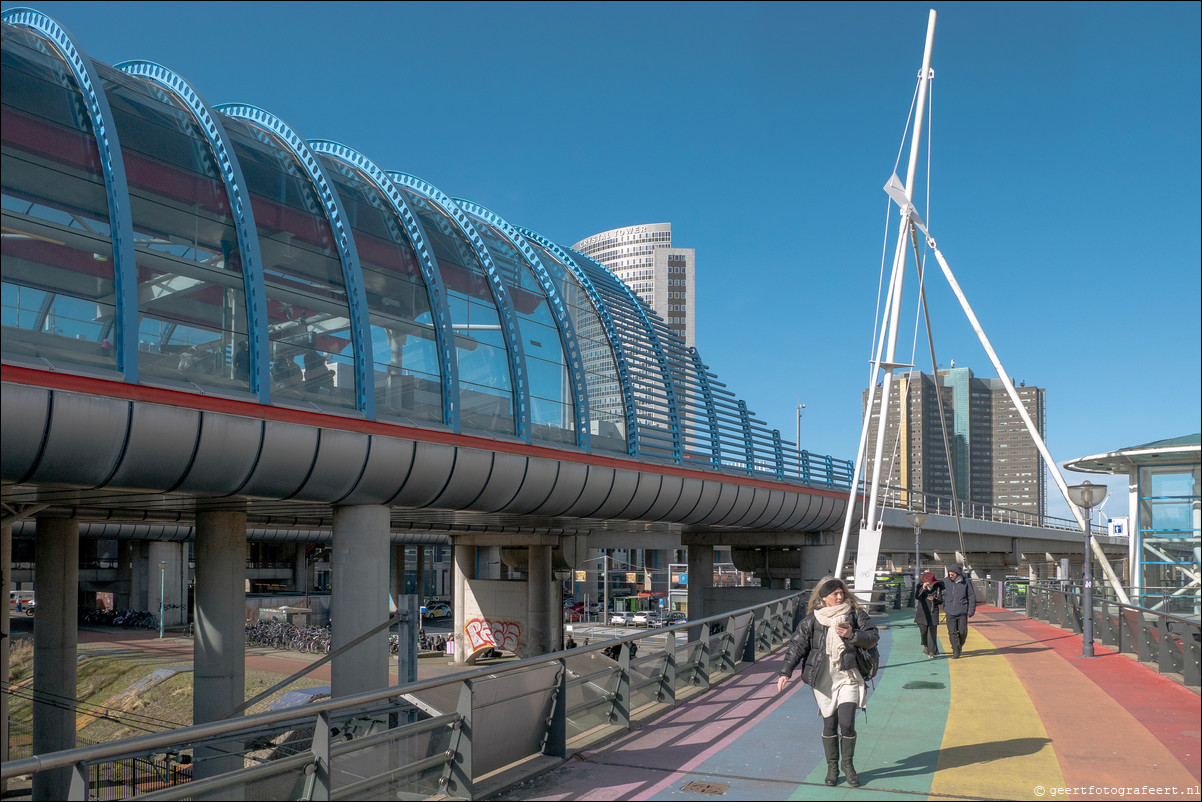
(869, 543)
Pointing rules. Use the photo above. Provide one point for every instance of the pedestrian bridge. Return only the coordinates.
(700, 714)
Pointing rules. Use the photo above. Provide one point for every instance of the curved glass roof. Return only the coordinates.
(153, 239)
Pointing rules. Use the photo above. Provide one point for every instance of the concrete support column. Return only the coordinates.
(420, 588)
(55, 634)
(397, 577)
(171, 584)
(536, 639)
(219, 652)
(701, 580)
(6, 584)
(125, 574)
(360, 582)
(301, 583)
(658, 561)
(139, 596)
(465, 569)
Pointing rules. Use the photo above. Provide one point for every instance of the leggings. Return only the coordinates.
(844, 720)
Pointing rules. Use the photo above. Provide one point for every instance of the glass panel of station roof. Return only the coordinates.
(552, 411)
(308, 314)
(407, 373)
(607, 410)
(57, 254)
(485, 383)
(191, 293)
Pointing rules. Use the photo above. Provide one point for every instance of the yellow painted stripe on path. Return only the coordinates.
(994, 744)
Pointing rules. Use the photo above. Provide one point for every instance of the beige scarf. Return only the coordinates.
(829, 617)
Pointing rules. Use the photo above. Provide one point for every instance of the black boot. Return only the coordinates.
(849, 751)
(830, 745)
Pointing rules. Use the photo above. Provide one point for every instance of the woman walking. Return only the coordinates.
(926, 613)
(824, 644)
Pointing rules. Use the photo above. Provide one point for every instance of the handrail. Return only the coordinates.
(715, 646)
(1172, 642)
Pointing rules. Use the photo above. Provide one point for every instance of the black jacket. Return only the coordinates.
(807, 646)
(959, 598)
(926, 608)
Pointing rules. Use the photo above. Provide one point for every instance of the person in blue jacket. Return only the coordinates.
(959, 605)
(824, 644)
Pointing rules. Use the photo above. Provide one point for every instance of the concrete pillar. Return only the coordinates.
(55, 634)
(465, 569)
(657, 563)
(171, 584)
(219, 651)
(125, 574)
(536, 639)
(701, 580)
(139, 598)
(420, 586)
(6, 567)
(359, 577)
(397, 582)
(301, 583)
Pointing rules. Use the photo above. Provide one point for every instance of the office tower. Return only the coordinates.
(993, 459)
(642, 256)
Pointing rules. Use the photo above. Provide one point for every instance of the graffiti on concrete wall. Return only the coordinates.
(482, 632)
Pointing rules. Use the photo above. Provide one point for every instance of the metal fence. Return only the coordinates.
(452, 737)
(1172, 643)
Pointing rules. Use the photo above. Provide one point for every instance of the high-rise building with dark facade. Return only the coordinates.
(993, 459)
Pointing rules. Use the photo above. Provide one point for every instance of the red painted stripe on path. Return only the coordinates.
(1110, 719)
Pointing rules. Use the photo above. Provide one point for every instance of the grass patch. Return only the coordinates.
(116, 700)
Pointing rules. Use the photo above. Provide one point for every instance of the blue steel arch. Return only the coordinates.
(244, 217)
(447, 356)
(509, 327)
(567, 331)
(711, 409)
(661, 358)
(611, 333)
(365, 397)
(116, 188)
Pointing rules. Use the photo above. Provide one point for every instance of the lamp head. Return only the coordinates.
(1087, 495)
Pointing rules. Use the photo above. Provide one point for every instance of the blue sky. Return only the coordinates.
(1064, 173)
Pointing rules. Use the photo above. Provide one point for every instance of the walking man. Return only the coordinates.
(959, 605)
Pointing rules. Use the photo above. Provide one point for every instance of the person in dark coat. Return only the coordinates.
(824, 644)
(928, 599)
(959, 605)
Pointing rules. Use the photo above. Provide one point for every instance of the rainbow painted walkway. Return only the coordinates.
(1019, 716)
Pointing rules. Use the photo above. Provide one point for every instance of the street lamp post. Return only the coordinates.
(916, 519)
(1087, 496)
(800, 410)
(162, 589)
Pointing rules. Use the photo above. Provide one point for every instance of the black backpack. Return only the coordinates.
(868, 661)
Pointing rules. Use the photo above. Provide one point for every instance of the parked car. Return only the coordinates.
(621, 618)
(675, 617)
(438, 610)
(648, 618)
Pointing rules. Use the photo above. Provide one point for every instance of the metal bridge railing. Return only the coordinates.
(1171, 642)
(444, 737)
(904, 499)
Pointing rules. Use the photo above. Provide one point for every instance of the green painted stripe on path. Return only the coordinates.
(899, 739)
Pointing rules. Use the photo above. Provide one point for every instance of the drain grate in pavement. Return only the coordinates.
(920, 685)
(713, 789)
